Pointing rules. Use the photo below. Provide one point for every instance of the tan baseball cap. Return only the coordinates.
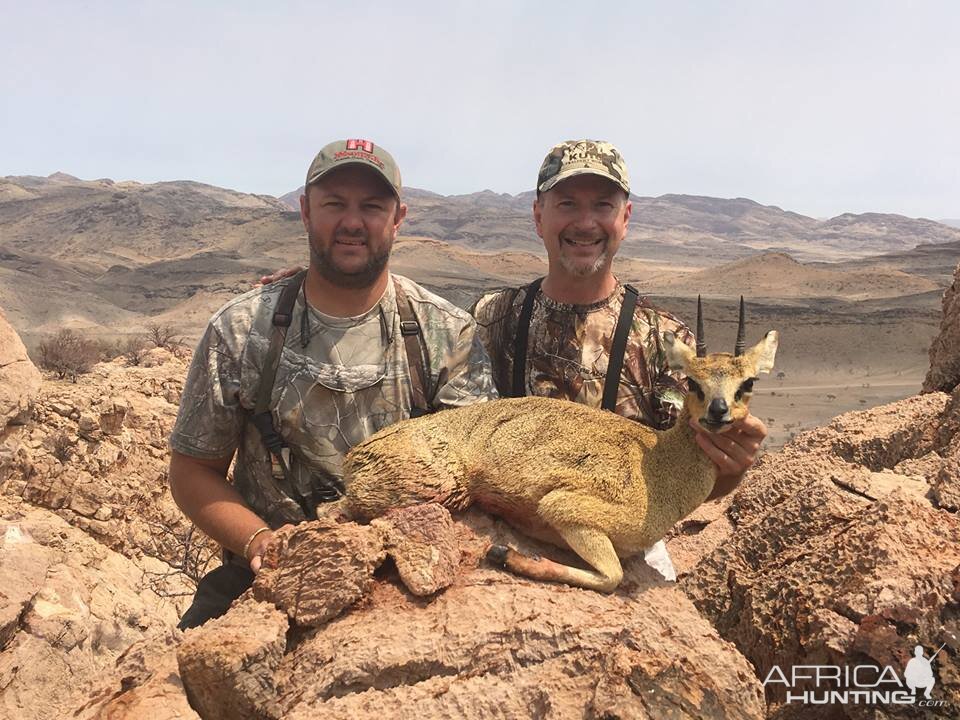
(359, 152)
(580, 157)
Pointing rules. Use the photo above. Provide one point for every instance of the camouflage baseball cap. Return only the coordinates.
(359, 152)
(579, 157)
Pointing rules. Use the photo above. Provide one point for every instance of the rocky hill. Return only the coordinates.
(842, 549)
(778, 275)
(110, 257)
(679, 228)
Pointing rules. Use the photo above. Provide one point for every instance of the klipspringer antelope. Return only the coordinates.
(602, 485)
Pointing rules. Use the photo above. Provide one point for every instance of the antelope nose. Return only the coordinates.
(718, 409)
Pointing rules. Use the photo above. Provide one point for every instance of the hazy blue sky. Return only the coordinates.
(818, 107)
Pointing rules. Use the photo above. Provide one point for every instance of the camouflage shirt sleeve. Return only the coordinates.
(464, 376)
(210, 417)
(496, 319)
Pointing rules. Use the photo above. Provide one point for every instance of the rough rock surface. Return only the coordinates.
(19, 379)
(840, 550)
(316, 570)
(490, 645)
(144, 685)
(944, 373)
(423, 543)
(228, 665)
(68, 607)
(95, 453)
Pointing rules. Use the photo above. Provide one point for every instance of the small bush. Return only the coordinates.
(69, 354)
(62, 447)
(163, 336)
(134, 350)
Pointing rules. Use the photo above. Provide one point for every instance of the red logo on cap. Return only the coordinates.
(364, 145)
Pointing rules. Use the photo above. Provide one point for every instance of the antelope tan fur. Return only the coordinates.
(602, 485)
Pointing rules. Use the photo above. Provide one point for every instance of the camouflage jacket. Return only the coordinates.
(351, 380)
(569, 347)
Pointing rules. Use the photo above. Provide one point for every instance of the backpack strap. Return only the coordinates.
(411, 331)
(262, 416)
(521, 337)
(611, 385)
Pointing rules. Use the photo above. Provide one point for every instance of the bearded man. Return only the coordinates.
(290, 376)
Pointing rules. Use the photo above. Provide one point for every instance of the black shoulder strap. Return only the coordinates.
(519, 388)
(410, 329)
(611, 385)
(282, 317)
(262, 418)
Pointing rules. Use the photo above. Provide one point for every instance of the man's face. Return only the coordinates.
(352, 218)
(582, 221)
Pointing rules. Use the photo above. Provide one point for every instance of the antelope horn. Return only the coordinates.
(738, 348)
(701, 343)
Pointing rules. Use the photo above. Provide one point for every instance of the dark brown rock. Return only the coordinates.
(316, 570)
(422, 541)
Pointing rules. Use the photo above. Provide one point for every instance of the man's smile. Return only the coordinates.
(582, 242)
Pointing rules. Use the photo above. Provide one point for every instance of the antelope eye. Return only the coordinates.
(694, 387)
(745, 387)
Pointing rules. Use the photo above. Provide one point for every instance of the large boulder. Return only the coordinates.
(843, 549)
(944, 373)
(490, 644)
(19, 379)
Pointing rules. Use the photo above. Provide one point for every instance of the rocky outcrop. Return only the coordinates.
(841, 549)
(144, 684)
(68, 608)
(944, 373)
(19, 379)
(96, 454)
(490, 645)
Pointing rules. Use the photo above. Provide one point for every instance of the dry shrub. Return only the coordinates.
(69, 354)
(163, 336)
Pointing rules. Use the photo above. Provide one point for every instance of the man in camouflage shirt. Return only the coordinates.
(343, 373)
(581, 212)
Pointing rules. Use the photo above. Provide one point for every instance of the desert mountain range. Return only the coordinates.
(109, 256)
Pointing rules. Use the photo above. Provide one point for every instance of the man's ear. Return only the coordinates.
(399, 216)
(678, 353)
(537, 216)
(305, 209)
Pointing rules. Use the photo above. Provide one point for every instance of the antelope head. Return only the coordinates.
(720, 384)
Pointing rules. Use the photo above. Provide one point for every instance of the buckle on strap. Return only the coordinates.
(271, 438)
(282, 319)
(409, 327)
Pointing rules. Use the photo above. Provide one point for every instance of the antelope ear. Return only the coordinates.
(678, 353)
(765, 351)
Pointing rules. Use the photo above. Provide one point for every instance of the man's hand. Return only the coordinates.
(258, 547)
(280, 274)
(733, 452)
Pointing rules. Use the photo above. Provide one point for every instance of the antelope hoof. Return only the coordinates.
(497, 555)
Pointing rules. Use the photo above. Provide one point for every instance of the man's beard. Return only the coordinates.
(580, 268)
(321, 259)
